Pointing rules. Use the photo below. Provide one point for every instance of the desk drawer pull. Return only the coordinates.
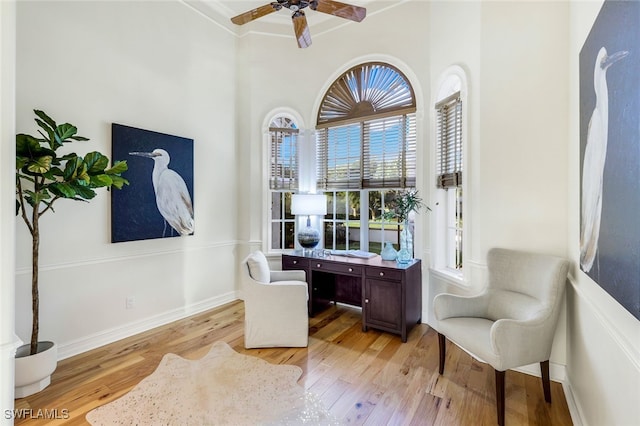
(318, 265)
(295, 262)
(384, 274)
(366, 300)
(350, 269)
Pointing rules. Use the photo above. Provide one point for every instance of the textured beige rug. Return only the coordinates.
(222, 388)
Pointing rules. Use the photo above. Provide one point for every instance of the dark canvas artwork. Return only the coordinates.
(158, 202)
(610, 153)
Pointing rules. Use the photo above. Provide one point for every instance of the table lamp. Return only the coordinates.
(308, 204)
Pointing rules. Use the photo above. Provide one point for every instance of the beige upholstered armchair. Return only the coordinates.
(275, 305)
(512, 323)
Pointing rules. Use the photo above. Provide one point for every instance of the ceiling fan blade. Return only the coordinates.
(256, 13)
(343, 10)
(301, 29)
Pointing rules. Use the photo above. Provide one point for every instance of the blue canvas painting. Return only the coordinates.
(610, 153)
(158, 202)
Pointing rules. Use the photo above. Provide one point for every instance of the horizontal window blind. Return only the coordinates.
(283, 158)
(449, 159)
(389, 155)
(379, 153)
(339, 157)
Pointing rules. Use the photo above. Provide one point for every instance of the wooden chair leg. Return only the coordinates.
(500, 396)
(546, 383)
(441, 345)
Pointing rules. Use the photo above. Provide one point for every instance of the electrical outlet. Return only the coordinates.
(130, 302)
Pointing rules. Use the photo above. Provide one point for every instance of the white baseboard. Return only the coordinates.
(557, 372)
(574, 408)
(109, 336)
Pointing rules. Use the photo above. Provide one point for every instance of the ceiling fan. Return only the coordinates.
(300, 27)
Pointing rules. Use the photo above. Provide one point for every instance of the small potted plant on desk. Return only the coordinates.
(42, 178)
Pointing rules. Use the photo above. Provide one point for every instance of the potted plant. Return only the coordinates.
(42, 178)
(401, 206)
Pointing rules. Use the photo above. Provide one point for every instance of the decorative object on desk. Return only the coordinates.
(406, 244)
(308, 204)
(353, 253)
(400, 207)
(388, 252)
(43, 176)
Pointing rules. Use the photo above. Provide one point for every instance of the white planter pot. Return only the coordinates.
(33, 372)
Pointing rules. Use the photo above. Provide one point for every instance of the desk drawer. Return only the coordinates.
(384, 273)
(339, 268)
(293, 262)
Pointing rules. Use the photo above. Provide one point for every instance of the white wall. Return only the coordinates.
(603, 356)
(159, 66)
(517, 135)
(8, 340)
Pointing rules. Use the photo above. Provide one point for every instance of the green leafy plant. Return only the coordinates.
(43, 177)
(404, 203)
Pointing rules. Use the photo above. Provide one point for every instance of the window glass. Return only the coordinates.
(282, 221)
(283, 181)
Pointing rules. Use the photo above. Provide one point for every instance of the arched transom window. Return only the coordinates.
(370, 89)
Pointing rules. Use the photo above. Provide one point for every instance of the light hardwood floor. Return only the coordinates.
(363, 378)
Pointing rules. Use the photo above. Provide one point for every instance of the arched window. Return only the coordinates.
(283, 180)
(450, 113)
(366, 152)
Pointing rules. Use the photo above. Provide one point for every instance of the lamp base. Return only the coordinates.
(308, 238)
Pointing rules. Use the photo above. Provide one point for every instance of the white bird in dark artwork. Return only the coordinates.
(172, 197)
(594, 159)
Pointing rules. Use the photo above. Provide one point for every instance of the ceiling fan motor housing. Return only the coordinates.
(294, 5)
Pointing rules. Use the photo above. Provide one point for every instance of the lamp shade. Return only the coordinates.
(309, 204)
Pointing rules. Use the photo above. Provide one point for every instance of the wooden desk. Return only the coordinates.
(390, 294)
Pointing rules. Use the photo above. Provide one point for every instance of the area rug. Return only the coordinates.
(222, 388)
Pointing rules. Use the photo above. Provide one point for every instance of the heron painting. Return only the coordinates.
(159, 200)
(610, 153)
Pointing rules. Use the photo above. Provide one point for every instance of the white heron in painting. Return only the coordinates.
(594, 159)
(172, 197)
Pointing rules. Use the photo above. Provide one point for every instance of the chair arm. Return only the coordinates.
(450, 305)
(295, 275)
(522, 342)
(279, 293)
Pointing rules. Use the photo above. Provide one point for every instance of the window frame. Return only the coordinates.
(362, 122)
(268, 191)
(452, 80)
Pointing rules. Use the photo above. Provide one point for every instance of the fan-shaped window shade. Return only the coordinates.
(283, 158)
(366, 90)
(366, 134)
